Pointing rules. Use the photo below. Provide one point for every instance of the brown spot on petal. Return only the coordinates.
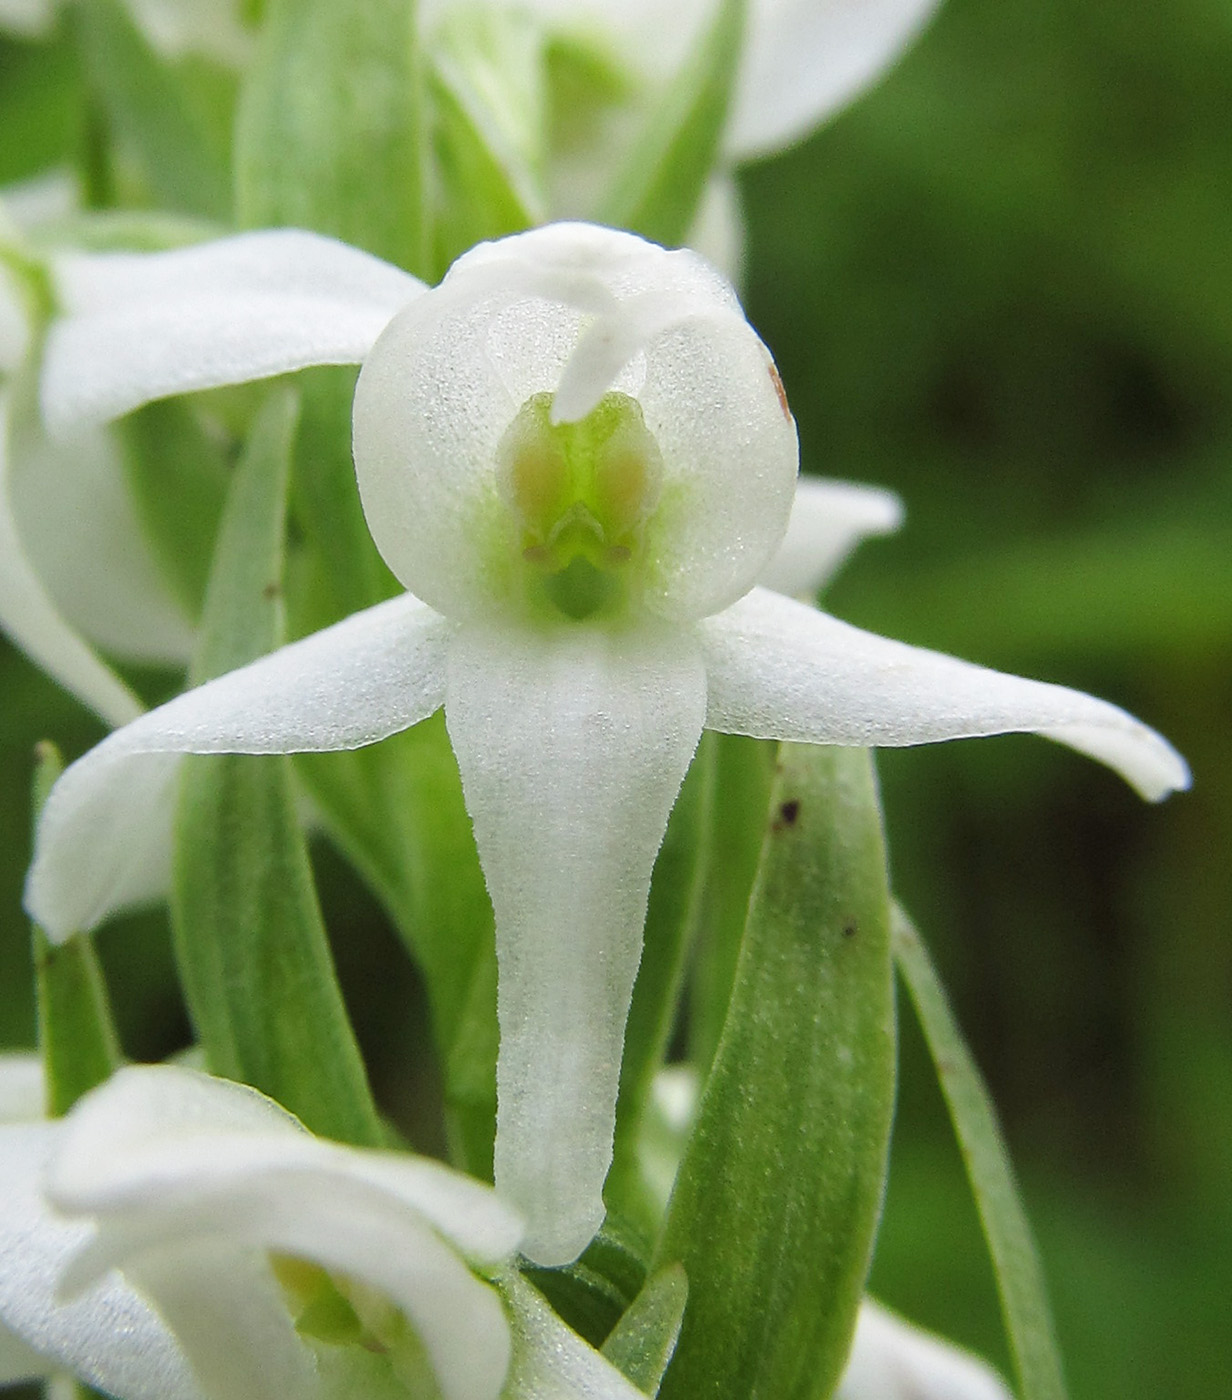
(780, 391)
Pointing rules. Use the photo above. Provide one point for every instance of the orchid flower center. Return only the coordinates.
(580, 494)
(341, 1311)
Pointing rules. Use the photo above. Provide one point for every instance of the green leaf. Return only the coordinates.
(659, 189)
(330, 133)
(676, 893)
(325, 498)
(778, 1196)
(1020, 1279)
(251, 947)
(395, 808)
(178, 476)
(488, 83)
(76, 1036)
(594, 1292)
(173, 118)
(642, 1342)
(743, 773)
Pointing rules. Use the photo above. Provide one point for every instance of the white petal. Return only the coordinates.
(141, 326)
(33, 18)
(79, 525)
(229, 1318)
(49, 197)
(164, 1157)
(572, 745)
(561, 310)
(109, 1336)
(607, 345)
(828, 520)
(179, 27)
(160, 1135)
(14, 320)
(779, 669)
(30, 618)
(892, 1360)
(550, 1360)
(22, 1092)
(371, 675)
(807, 58)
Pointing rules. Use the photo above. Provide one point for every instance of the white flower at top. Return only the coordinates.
(801, 59)
(578, 457)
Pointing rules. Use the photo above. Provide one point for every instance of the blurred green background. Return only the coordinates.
(1002, 285)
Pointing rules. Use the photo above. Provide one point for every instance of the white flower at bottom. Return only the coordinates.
(577, 455)
(168, 1190)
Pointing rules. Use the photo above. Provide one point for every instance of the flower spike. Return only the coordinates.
(585, 570)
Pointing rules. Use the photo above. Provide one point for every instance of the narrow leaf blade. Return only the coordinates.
(488, 82)
(251, 946)
(778, 1196)
(642, 1342)
(743, 773)
(1020, 1278)
(395, 809)
(77, 1038)
(658, 190)
(175, 117)
(330, 133)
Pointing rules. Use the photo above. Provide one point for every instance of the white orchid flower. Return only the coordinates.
(161, 1242)
(168, 1239)
(21, 1101)
(76, 574)
(801, 61)
(893, 1360)
(577, 456)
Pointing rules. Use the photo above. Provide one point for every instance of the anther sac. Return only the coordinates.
(581, 493)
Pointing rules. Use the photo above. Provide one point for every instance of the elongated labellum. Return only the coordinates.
(676, 899)
(250, 943)
(779, 1192)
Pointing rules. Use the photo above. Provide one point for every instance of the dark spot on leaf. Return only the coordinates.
(271, 590)
(850, 929)
(788, 813)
